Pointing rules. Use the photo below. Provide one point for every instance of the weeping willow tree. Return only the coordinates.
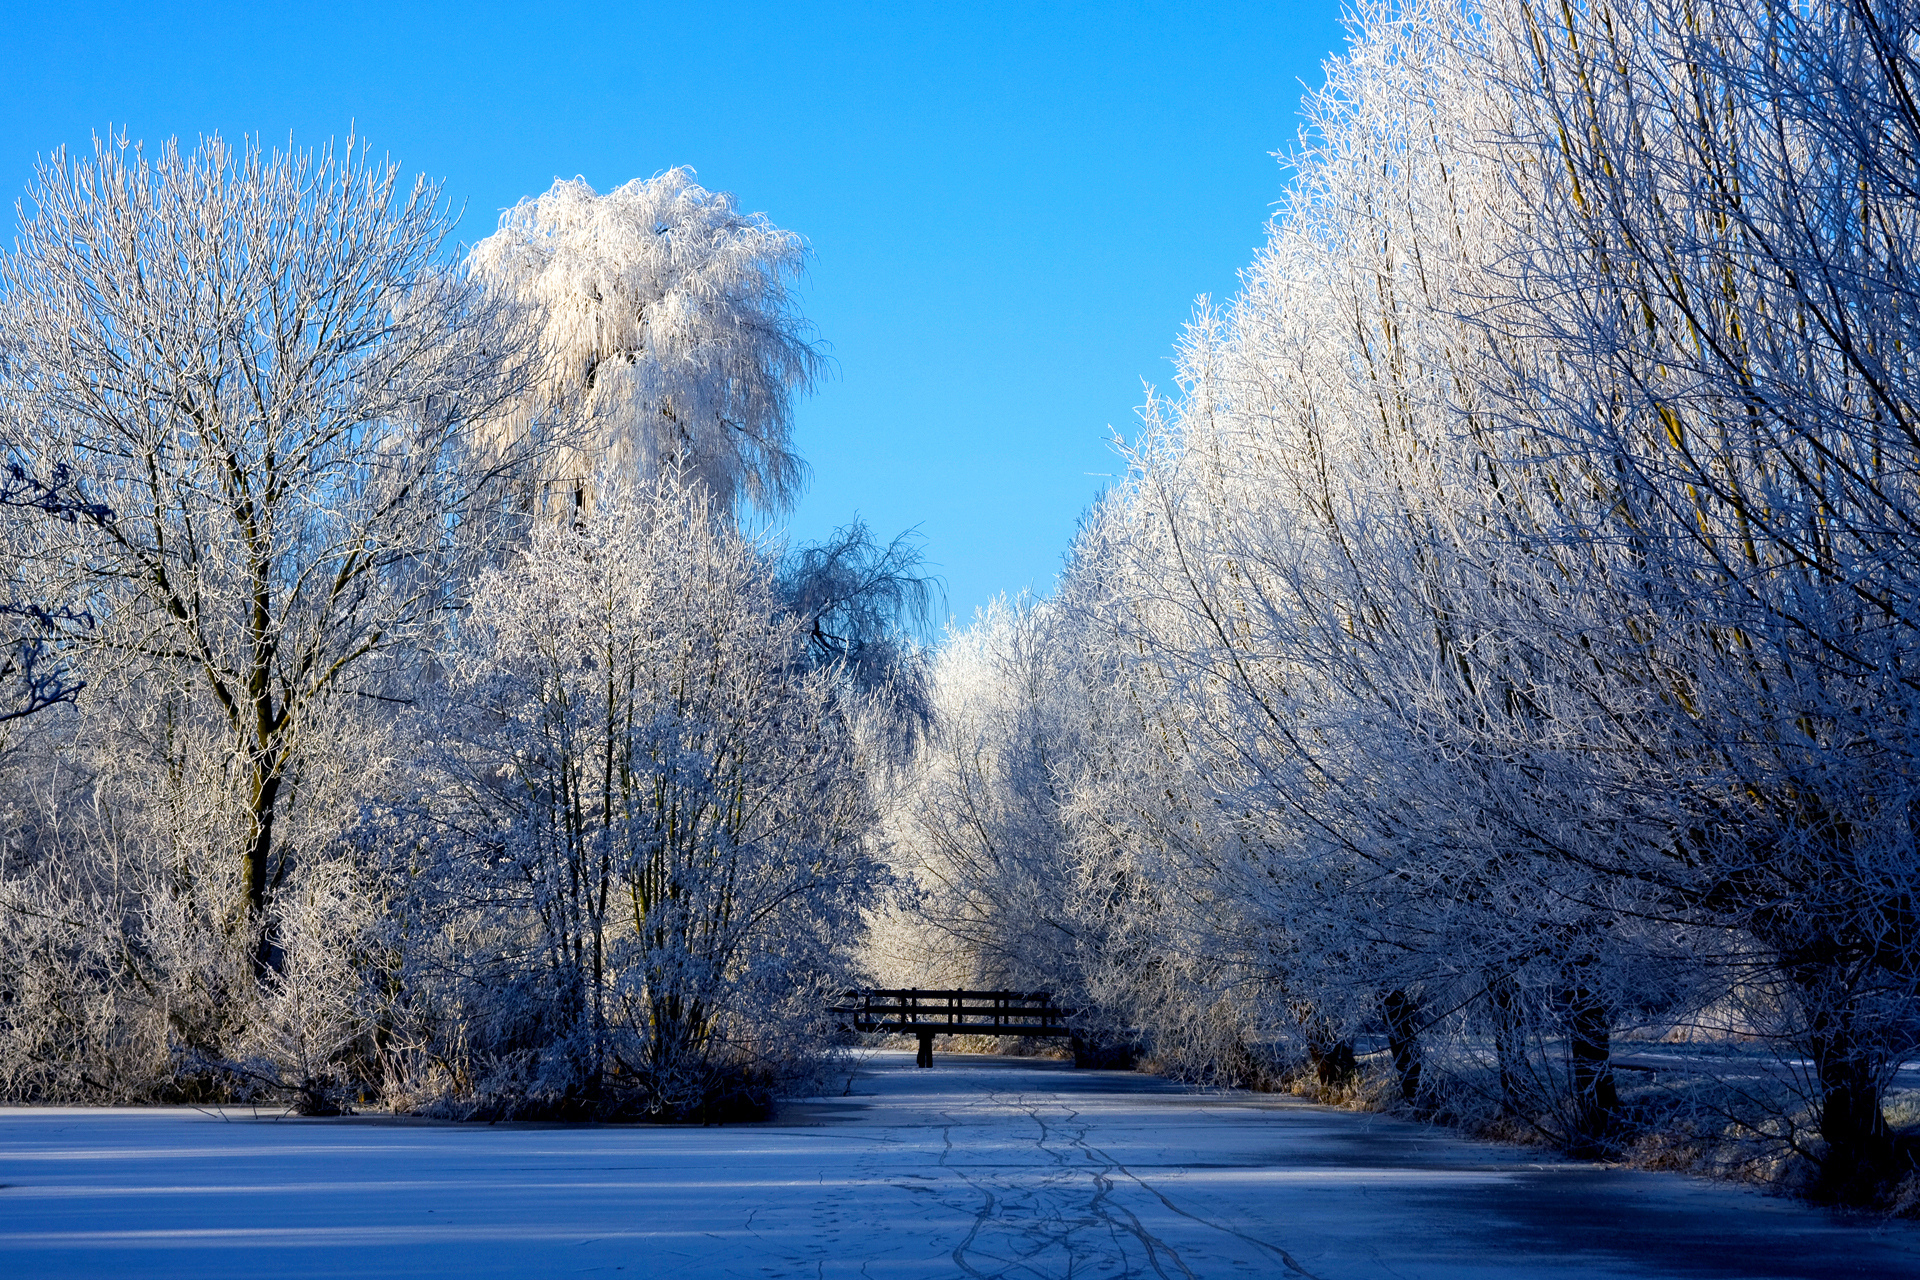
(669, 335)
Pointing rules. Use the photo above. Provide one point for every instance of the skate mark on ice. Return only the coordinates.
(1286, 1258)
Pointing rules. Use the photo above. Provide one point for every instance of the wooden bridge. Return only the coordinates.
(913, 1011)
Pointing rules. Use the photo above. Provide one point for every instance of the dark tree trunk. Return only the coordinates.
(1596, 1098)
(1508, 1053)
(1334, 1065)
(253, 870)
(1861, 1157)
(1402, 1014)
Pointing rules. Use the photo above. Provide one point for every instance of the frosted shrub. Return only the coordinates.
(124, 978)
(654, 819)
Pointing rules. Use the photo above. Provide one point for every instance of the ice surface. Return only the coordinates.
(981, 1167)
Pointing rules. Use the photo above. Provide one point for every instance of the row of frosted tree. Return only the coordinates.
(400, 704)
(1492, 690)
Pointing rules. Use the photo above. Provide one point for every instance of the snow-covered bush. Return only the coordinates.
(124, 978)
(652, 834)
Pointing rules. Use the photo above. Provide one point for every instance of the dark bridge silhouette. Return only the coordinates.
(923, 1013)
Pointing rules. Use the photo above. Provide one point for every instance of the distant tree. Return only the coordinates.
(982, 828)
(864, 605)
(258, 361)
(855, 593)
(668, 335)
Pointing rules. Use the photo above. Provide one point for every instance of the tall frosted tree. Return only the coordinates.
(1721, 272)
(257, 360)
(669, 337)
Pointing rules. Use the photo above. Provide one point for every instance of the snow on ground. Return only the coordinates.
(982, 1167)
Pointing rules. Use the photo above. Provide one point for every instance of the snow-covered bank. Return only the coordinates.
(982, 1167)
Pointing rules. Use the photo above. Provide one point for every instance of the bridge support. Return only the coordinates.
(925, 1057)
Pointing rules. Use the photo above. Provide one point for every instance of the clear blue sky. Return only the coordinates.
(1011, 207)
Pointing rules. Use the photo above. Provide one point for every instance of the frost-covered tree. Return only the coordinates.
(257, 361)
(668, 335)
(866, 607)
(1301, 585)
(655, 826)
(982, 821)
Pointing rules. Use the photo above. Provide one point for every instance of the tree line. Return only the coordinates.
(1503, 644)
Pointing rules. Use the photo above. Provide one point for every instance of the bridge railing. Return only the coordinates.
(954, 1012)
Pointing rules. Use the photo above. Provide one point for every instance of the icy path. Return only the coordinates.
(982, 1167)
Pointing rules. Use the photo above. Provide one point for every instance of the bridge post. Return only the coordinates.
(925, 1058)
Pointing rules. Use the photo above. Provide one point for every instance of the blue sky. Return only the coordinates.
(1011, 207)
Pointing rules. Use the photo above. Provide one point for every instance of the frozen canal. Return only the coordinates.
(982, 1167)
